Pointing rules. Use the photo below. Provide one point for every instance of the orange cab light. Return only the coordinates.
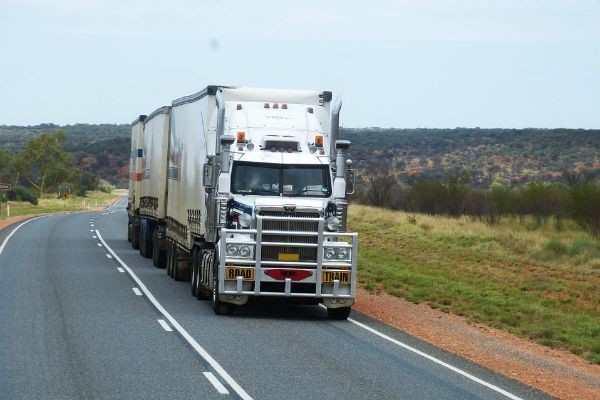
(241, 137)
(319, 141)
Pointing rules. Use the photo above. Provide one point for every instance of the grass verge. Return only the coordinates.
(541, 282)
(52, 204)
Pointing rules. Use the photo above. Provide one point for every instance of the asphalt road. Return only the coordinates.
(79, 318)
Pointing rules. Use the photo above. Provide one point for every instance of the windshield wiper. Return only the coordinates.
(259, 190)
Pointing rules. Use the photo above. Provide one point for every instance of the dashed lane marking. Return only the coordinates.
(184, 334)
(215, 382)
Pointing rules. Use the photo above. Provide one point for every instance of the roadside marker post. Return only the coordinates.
(4, 187)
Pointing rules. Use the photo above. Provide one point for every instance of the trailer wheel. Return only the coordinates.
(218, 306)
(169, 258)
(158, 257)
(135, 235)
(339, 313)
(145, 244)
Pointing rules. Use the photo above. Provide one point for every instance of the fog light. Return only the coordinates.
(244, 251)
(329, 253)
(232, 250)
(342, 253)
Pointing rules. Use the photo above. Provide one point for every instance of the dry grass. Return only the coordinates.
(540, 282)
(52, 204)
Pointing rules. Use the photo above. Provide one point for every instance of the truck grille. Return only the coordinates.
(271, 253)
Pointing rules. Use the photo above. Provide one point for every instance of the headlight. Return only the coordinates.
(244, 251)
(333, 223)
(337, 253)
(329, 253)
(342, 254)
(232, 250)
(245, 220)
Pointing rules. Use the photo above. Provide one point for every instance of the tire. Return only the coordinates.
(339, 313)
(135, 236)
(145, 243)
(129, 232)
(154, 250)
(201, 293)
(169, 258)
(218, 306)
(194, 285)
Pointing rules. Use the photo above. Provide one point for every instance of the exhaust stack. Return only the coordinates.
(335, 127)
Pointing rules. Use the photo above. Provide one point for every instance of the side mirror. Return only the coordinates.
(350, 177)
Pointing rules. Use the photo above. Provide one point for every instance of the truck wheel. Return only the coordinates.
(218, 306)
(201, 293)
(194, 284)
(339, 313)
(145, 239)
(129, 231)
(154, 251)
(169, 258)
(158, 256)
(135, 236)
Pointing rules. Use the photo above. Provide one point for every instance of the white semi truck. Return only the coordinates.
(244, 192)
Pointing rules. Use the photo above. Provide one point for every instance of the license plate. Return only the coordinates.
(342, 276)
(288, 257)
(231, 273)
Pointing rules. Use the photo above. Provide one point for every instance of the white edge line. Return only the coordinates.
(435, 360)
(165, 326)
(16, 229)
(215, 382)
(136, 291)
(191, 341)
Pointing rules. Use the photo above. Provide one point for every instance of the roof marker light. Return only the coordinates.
(310, 110)
(267, 105)
(241, 137)
(239, 106)
(284, 106)
(275, 106)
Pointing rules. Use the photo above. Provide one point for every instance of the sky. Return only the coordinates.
(402, 63)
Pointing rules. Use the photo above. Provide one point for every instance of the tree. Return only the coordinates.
(6, 166)
(44, 163)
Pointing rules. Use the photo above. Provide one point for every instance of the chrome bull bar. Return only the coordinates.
(333, 290)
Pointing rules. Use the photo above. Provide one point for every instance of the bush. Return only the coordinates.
(105, 187)
(585, 207)
(19, 193)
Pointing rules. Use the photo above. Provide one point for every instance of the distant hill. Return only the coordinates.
(102, 149)
(516, 155)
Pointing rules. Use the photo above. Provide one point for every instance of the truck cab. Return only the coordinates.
(283, 189)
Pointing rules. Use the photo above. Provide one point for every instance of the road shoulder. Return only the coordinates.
(558, 373)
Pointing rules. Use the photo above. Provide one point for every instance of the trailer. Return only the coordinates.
(135, 178)
(254, 196)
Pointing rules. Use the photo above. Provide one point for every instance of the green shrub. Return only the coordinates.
(19, 193)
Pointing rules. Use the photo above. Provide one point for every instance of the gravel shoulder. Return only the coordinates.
(556, 372)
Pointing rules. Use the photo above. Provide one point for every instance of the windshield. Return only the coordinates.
(280, 180)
